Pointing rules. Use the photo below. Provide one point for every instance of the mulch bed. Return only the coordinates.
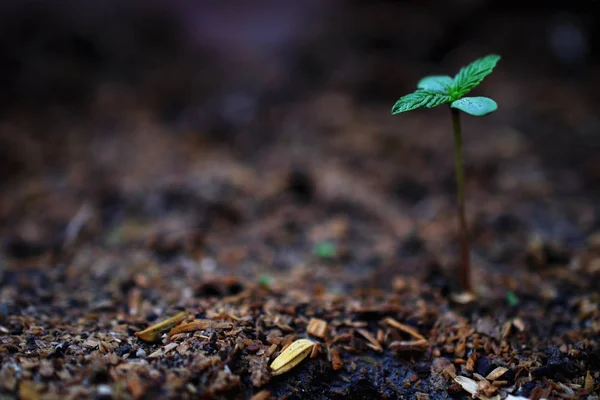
(149, 254)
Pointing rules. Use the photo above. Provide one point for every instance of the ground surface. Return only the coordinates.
(305, 211)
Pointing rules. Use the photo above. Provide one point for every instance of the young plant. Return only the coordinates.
(435, 90)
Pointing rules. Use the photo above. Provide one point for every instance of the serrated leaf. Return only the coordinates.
(472, 75)
(477, 106)
(418, 99)
(438, 83)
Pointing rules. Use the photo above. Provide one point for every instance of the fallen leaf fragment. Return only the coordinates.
(292, 356)
(152, 334)
(404, 328)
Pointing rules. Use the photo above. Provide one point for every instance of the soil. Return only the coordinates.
(261, 205)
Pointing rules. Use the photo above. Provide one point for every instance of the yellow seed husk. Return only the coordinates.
(152, 334)
(589, 382)
(292, 356)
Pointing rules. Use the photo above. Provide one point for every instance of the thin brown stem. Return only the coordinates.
(465, 251)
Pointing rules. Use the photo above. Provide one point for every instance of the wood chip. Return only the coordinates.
(134, 301)
(486, 388)
(152, 334)
(336, 360)
(471, 360)
(292, 356)
(315, 350)
(463, 297)
(135, 386)
(272, 349)
(471, 386)
(496, 373)
(317, 328)
(169, 347)
(404, 328)
(506, 329)
(373, 343)
(29, 390)
(409, 345)
(199, 325)
(262, 395)
(380, 336)
(519, 324)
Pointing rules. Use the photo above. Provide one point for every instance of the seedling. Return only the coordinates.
(325, 250)
(435, 90)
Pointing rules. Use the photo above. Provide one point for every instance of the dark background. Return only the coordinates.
(228, 72)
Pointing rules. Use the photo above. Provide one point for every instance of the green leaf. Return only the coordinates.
(438, 83)
(472, 75)
(477, 106)
(512, 299)
(325, 250)
(418, 99)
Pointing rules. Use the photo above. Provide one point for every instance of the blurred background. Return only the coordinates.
(149, 106)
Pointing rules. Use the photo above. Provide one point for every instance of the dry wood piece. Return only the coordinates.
(336, 360)
(471, 360)
(292, 356)
(473, 387)
(409, 345)
(272, 349)
(486, 388)
(404, 328)
(262, 395)
(317, 328)
(152, 334)
(134, 300)
(315, 350)
(135, 386)
(496, 373)
(373, 343)
(519, 324)
(199, 325)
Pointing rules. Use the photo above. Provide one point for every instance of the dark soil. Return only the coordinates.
(262, 202)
